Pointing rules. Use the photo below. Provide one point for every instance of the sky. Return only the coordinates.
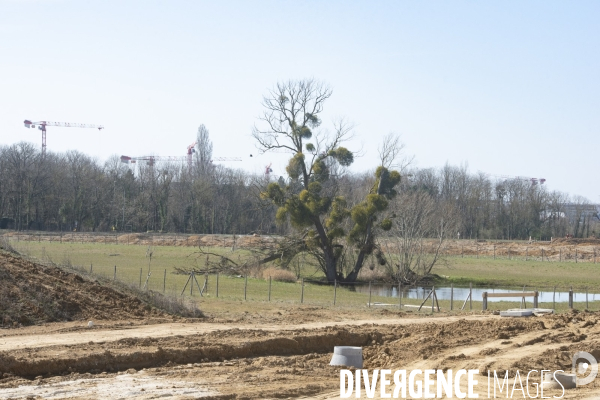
(505, 87)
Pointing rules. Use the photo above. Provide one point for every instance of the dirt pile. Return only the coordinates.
(557, 250)
(32, 293)
(148, 239)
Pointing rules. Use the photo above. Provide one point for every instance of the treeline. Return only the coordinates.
(74, 192)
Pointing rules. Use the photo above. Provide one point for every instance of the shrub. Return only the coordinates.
(280, 275)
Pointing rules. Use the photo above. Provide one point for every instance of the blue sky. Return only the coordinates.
(509, 88)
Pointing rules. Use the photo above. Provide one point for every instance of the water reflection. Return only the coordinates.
(444, 293)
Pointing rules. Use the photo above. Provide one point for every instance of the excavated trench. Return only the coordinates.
(129, 353)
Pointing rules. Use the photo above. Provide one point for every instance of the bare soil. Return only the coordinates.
(32, 293)
(282, 353)
(557, 250)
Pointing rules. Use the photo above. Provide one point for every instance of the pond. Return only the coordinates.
(461, 293)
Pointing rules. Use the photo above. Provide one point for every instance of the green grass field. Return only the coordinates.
(131, 259)
(504, 272)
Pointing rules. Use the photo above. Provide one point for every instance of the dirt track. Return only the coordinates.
(278, 361)
(282, 352)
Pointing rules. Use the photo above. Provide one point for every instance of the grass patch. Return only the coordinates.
(131, 259)
(504, 272)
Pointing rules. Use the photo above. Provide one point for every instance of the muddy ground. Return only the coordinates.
(243, 361)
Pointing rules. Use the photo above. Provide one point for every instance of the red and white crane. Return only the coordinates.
(43, 124)
(191, 149)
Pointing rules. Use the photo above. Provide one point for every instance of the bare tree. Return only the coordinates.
(413, 246)
(204, 148)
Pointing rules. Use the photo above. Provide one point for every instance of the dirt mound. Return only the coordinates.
(574, 241)
(31, 293)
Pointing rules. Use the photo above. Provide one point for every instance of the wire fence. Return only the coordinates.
(373, 294)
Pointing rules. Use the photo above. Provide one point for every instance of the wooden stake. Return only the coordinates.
(451, 296)
(186, 283)
(426, 298)
(165, 282)
(470, 296)
(302, 294)
(269, 288)
(334, 291)
(400, 295)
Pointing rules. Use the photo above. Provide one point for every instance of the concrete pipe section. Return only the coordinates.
(349, 356)
(551, 381)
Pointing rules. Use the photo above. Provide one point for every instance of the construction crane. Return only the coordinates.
(150, 160)
(191, 149)
(534, 181)
(43, 124)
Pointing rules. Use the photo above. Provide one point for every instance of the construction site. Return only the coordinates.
(69, 334)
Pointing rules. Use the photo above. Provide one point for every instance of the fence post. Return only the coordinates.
(269, 287)
(165, 281)
(334, 290)
(140, 278)
(575, 255)
(369, 293)
(470, 296)
(400, 294)
(91, 268)
(432, 298)
(484, 302)
(115, 274)
(302, 294)
(571, 298)
(535, 299)
(217, 288)
(494, 252)
(451, 296)
(462, 251)
(542, 254)
(587, 306)
(554, 298)
(245, 286)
